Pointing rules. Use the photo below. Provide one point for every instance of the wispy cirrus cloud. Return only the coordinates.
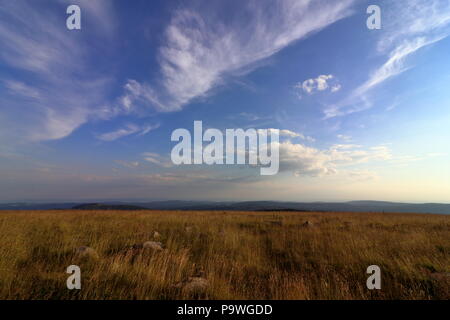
(362, 175)
(128, 164)
(410, 26)
(21, 89)
(129, 129)
(198, 53)
(46, 75)
(136, 94)
(157, 159)
(289, 134)
(344, 137)
(201, 49)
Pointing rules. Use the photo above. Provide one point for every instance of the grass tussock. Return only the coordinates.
(242, 255)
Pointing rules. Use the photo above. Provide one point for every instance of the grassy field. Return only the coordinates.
(237, 255)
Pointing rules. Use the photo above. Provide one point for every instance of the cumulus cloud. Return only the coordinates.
(321, 83)
(303, 160)
(201, 49)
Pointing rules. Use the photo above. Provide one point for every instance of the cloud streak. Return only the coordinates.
(61, 92)
(130, 129)
(201, 50)
(416, 24)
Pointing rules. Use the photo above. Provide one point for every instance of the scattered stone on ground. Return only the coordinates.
(86, 252)
(308, 224)
(156, 235)
(195, 285)
(153, 245)
(137, 246)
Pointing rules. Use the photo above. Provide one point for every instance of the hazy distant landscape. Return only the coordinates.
(223, 254)
(352, 206)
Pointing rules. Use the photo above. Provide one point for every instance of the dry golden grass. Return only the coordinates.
(244, 255)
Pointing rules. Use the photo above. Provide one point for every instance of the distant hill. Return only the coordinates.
(352, 206)
(101, 206)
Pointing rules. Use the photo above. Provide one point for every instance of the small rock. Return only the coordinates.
(137, 246)
(86, 252)
(308, 224)
(156, 235)
(196, 285)
(157, 246)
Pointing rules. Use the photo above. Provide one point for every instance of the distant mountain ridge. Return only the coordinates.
(102, 206)
(352, 206)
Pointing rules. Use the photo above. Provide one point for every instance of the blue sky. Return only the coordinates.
(88, 114)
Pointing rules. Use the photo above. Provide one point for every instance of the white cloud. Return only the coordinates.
(408, 27)
(318, 84)
(321, 83)
(201, 49)
(129, 129)
(119, 133)
(290, 134)
(362, 175)
(128, 164)
(336, 88)
(157, 159)
(138, 94)
(61, 92)
(303, 160)
(344, 137)
(247, 116)
(21, 89)
(396, 62)
(147, 128)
